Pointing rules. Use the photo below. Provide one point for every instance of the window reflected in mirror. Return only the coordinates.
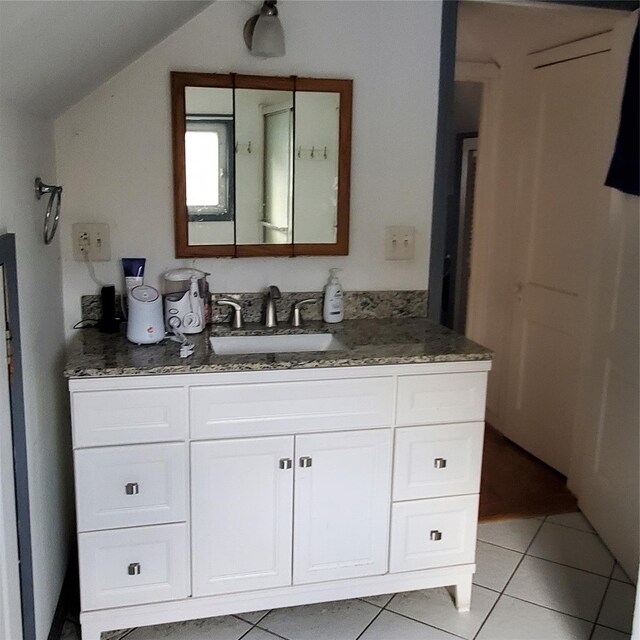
(208, 143)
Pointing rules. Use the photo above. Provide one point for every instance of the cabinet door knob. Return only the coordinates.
(285, 463)
(306, 462)
(134, 569)
(440, 463)
(435, 535)
(132, 489)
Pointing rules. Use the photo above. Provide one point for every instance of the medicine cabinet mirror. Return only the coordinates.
(261, 165)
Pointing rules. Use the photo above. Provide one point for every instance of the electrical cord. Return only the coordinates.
(91, 268)
(82, 324)
(186, 346)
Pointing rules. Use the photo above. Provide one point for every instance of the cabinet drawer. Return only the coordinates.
(445, 397)
(128, 416)
(438, 460)
(290, 407)
(433, 533)
(133, 566)
(130, 486)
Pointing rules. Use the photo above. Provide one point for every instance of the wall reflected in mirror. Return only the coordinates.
(264, 166)
(316, 167)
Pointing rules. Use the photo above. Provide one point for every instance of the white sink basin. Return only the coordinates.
(228, 345)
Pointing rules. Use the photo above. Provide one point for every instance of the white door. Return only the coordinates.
(342, 495)
(570, 100)
(10, 618)
(605, 473)
(241, 496)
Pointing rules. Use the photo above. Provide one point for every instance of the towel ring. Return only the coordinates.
(50, 225)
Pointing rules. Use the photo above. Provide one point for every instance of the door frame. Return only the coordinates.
(18, 427)
(445, 140)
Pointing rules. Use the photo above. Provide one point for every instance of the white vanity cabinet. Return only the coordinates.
(242, 514)
(244, 496)
(213, 493)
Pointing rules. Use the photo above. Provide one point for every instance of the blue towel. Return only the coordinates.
(624, 171)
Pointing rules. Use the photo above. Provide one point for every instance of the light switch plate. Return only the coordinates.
(91, 239)
(399, 243)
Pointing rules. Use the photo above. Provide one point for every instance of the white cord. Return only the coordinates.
(186, 346)
(92, 271)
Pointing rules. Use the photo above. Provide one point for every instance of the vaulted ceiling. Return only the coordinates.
(54, 53)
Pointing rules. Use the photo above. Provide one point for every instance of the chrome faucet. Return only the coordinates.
(236, 318)
(270, 312)
(296, 311)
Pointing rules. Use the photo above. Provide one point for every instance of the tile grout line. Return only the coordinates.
(425, 624)
(604, 596)
(569, 566)
(592, 531)
(421, 621)
(543, 606)
(257, 626)
(562, 564)
(370, 622)
(502, 593)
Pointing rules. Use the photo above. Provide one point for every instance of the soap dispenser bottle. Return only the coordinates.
(333, 308)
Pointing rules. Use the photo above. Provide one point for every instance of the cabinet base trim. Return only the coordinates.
(95, 622)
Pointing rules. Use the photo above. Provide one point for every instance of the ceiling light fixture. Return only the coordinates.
(263, 33)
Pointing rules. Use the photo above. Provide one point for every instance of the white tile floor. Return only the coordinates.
(537, 579)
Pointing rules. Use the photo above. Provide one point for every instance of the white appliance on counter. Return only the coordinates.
(145, 325)
(184, 309)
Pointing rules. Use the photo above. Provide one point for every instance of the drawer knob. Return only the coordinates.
(132, 489)
(285, 463)
(305, 462)
(134, 569)
(435, 535)
(440, 463)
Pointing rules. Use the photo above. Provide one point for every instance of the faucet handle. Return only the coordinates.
(274, 292)
(236, 320)
(296, 311)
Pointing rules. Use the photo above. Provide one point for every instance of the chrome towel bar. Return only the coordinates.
(50, 225)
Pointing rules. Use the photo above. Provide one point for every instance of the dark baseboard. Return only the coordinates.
(67, 602)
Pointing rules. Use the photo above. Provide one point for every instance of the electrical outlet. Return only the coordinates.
(91, 240)
(399, 243)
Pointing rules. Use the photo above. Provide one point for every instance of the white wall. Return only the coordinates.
(26, 151)
(113, 149)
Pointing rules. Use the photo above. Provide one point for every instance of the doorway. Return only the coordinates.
(16, 576)
(528, 286)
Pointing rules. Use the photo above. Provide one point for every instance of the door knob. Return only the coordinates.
(306, 462)
(285, 463)
(435, 535)
(440, 463)
(134, 569)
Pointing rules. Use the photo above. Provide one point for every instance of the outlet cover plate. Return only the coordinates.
(92, 239)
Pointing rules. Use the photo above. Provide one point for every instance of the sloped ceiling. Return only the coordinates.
(54, 53)
(495, 31)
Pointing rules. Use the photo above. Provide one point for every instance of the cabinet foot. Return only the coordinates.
(461, 594)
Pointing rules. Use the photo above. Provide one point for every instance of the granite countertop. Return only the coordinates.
(368, 342)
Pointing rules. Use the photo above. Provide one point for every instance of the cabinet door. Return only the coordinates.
(242, 492)
(342, 495)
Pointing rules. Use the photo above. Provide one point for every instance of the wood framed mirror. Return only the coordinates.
(261, 165)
